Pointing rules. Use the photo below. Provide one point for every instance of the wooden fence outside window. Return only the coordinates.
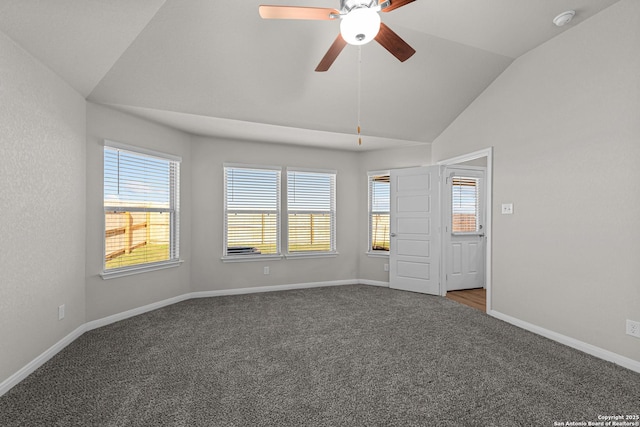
(127, 231)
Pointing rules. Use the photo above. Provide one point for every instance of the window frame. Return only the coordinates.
(252, 257)
(333, 251)
(173, 210)
(370, 175)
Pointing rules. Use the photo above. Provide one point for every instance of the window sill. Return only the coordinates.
(378, 254)
(129, 271)
(312, 255)
(248, 258)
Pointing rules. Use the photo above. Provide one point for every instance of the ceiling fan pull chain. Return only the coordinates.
(359, 90)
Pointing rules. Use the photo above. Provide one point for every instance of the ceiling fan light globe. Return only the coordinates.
(360, 26)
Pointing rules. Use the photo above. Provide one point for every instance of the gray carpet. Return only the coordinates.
(337, 356)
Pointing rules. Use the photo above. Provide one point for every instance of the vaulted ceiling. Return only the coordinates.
(216, 68)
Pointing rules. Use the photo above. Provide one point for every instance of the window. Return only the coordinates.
(379, 208)
(464, 205)
(311, 211)
(141, 208)
(252, 211)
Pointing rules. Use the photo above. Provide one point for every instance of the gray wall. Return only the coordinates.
(107, 297)
(565, 123)
(202, 210)
(42, 207)
(208, 272)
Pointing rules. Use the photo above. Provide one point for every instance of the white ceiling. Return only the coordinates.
(213, 67)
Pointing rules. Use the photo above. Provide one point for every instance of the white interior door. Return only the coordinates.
(414, 255)
(464, 228)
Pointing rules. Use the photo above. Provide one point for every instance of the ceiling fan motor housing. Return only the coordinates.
(348, 5)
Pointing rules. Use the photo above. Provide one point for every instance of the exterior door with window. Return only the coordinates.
(464, 236)
(414, 256)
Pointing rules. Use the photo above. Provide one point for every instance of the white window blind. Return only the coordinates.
(141, 208)
(252, 211)
(465, 206)
(379, 212)
(311, 211)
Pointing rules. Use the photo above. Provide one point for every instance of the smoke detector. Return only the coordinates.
(564, 18)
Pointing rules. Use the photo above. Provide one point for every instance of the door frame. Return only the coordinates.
(488, 153)
(446, 211)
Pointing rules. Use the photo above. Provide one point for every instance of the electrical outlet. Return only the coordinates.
(633, 328)
(266, 270)
(61, 312)
(507, 208)
(386, 267)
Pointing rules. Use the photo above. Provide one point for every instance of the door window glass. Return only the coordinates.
(464, 205)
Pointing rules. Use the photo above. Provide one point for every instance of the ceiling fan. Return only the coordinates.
(360, 23)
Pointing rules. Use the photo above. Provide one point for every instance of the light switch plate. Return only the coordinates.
(507, 208)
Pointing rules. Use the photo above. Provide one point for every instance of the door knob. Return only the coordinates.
(393, 234)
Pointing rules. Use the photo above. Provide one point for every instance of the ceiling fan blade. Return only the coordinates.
(394, 44)
(332, 54)
(296, 12)
(396, 4)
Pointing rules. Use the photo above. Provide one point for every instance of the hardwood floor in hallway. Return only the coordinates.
(476, 298)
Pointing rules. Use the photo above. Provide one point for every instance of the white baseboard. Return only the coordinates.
(134, 312)
(206, 294)
(30, 367)
(274, 288)
(598, 352)
(373, 283)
